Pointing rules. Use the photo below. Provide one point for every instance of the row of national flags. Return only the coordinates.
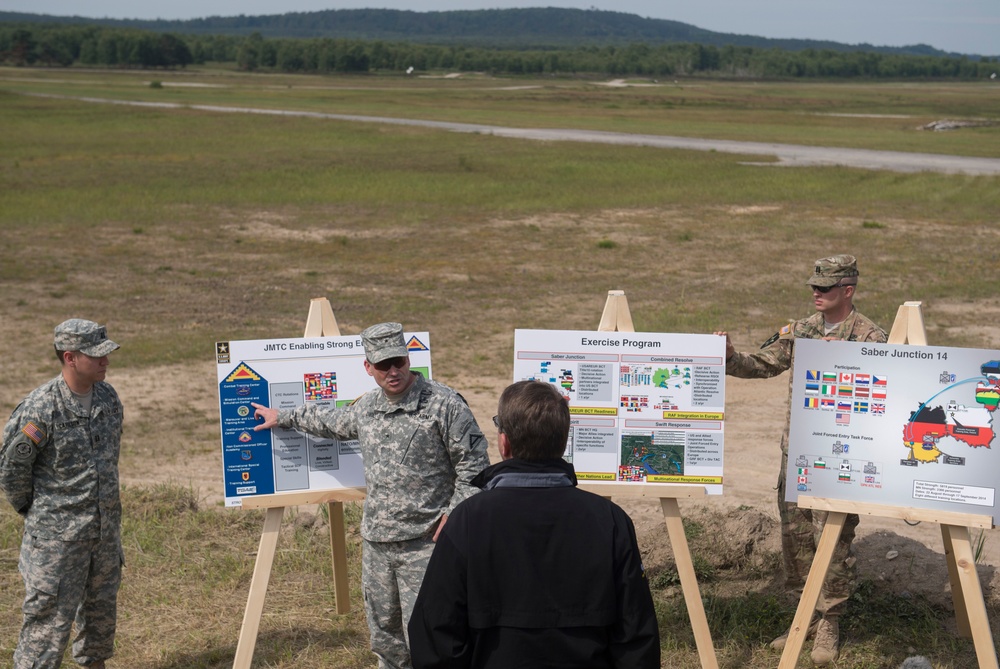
(846, 378)
(867, 387)
(848, 406)
(846, 394)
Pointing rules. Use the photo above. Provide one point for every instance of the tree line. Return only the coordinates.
(92, 45)
(63, 46)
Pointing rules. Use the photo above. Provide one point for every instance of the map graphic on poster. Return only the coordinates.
(909, 426)
(285, 374)
(645, 407)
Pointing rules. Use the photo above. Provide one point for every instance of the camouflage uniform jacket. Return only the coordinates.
(59, 466)
(420, 454)
(775, 355)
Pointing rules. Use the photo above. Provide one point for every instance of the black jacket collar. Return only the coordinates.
(515, 466)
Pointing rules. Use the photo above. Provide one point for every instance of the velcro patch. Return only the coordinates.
(23, 450)
(773, 338)
(32, 431)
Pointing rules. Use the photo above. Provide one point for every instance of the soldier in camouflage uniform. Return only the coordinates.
(421, 447)
(833, 283)
(59, 469)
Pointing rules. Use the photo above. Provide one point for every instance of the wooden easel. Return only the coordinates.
(618, 318)
(966, 590)
(320, 323)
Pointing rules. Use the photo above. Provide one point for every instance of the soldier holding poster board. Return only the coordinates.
(833, 282)
(421, 447)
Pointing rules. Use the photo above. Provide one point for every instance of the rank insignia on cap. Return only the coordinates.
(32, 432)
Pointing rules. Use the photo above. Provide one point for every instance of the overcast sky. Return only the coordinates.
(963, 26)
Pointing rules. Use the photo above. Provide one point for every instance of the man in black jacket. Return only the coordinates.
(534, 572)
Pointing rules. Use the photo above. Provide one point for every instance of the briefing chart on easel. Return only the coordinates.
(645, 407)
(899, 425)
(286, 374)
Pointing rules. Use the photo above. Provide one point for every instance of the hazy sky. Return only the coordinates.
(963, 26)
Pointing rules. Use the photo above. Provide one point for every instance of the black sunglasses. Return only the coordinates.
(823, 290)
(496, 421)
(385, 365)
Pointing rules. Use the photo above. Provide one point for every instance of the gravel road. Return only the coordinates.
(786, 154)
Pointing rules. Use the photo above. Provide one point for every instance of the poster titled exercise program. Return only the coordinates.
(646, 407)
(909, 426)
(285, 374)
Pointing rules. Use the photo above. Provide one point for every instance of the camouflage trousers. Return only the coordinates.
(67, 582)
(391, 574)
(800, 533)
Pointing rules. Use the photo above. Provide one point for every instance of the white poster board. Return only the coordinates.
(908, 426)
(646, 407)
(285, 374)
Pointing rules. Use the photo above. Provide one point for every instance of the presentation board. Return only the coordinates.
(285, 374)
(645, 407)
(908, 426)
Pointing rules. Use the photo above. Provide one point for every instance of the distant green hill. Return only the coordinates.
(507, 28)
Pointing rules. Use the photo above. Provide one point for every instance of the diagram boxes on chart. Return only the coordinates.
(909, 426)
(286, 374)
(646, 407)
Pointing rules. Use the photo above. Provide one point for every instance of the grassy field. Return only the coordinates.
(875, 115)
(179, 228)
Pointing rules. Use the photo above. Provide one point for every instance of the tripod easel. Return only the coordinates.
(618, 318)
(966, 590)
(320, 323)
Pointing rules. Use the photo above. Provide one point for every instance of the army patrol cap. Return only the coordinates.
(831, 271)
(84, 336)
(383, 341)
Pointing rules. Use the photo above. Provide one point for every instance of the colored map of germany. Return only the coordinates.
(971, 426)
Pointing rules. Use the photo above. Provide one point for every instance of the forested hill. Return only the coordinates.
(507, 28)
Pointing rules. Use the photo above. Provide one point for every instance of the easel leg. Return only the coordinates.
(689, 582)
(338, 547)
(814, 586)
(972, 594)
(961, 613)
(258, 588)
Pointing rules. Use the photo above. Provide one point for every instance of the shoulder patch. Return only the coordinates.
(786, 332)
(33, 432)
(23, 450)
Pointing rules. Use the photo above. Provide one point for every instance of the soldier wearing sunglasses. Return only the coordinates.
(833, 283)
(421, 447)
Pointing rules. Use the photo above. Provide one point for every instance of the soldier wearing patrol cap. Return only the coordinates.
(421, 447)
(833, 282)
(59, 470)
